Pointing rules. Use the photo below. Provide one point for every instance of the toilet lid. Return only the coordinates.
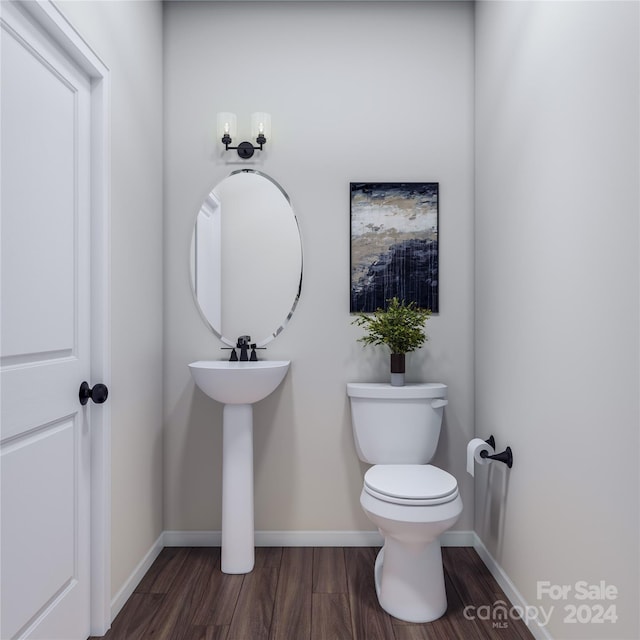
(416, 484)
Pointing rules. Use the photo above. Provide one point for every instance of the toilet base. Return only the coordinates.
(410, 580)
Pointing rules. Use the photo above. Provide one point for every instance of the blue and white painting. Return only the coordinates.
(394, 244)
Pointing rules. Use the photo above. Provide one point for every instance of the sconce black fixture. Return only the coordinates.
(260, 128)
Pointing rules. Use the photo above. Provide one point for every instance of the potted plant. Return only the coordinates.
(401, 327)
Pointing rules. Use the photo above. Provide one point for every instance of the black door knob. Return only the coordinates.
(98, 394)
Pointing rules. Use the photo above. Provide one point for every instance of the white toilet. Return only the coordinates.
(396, 429)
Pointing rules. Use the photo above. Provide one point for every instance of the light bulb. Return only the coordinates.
(261, 124)
(226, 124)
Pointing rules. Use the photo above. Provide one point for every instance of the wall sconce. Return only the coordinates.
(260, 130)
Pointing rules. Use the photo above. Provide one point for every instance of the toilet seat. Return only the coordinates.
(410, 484)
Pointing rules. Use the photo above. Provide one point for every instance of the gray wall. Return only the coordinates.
(557, 201)
(128, 38)
(357, 92)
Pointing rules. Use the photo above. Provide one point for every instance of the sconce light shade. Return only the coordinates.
(260, 125)
(260, 128)
(227, 124)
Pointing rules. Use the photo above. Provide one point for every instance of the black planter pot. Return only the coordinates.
(397, 369)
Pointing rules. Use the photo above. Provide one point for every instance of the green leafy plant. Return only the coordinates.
(400, 326)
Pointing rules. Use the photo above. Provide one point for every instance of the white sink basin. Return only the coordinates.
(238, 382)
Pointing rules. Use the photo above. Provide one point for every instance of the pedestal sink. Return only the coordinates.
(238, 385)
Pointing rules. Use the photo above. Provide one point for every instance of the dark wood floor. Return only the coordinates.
(300, 593)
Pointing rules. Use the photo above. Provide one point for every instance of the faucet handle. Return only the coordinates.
(254, 357)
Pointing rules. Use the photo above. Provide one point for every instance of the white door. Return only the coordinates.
(45, 336)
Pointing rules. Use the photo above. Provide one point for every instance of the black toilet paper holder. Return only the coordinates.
(505, 456)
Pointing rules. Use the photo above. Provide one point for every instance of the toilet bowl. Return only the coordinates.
(409, 577)
(396, 429)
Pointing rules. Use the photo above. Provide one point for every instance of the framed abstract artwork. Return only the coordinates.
(394, 244)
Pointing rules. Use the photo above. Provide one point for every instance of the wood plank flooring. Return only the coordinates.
(300, 593)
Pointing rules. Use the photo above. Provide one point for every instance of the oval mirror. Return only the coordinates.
(246, 258)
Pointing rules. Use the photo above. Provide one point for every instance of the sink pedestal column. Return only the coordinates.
(237, 554)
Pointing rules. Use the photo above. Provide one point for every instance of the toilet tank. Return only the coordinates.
(396, 425)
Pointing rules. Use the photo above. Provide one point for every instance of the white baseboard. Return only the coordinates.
(318, 539)
(136, 576)
(305, 539)
(515, 597)
(278, 539)
(192, 538)
(457, 539)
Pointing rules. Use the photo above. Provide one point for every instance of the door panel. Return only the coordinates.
(43, 466)
(45, 336)
(39, 178)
